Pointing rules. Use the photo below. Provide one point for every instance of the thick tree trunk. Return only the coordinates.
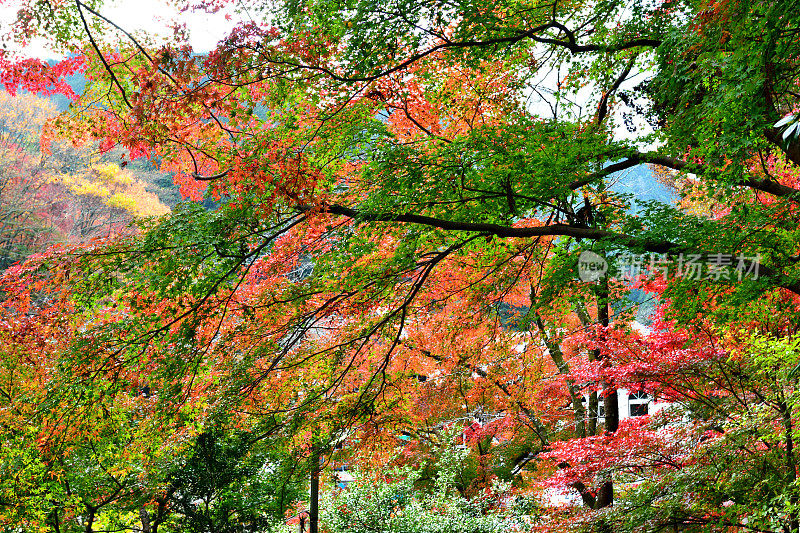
(144, 518)
(610, 402)
(605, 494)
(593, 414)
(313, 507)
(56, 523)
(90, 518)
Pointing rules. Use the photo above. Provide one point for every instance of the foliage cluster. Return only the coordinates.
(395, 201)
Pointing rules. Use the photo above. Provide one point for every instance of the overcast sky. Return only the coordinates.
(148, 16)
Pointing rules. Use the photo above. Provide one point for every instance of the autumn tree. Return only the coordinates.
(60, 193)
(390, 177)
(24, 178)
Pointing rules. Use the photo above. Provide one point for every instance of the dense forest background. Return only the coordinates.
(402, 266)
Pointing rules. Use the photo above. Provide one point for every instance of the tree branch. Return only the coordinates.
(553, 230)
(602, 108)
(764, 185)
(78, 4)
(570, 44)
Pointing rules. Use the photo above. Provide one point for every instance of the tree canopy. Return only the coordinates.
(390, 209)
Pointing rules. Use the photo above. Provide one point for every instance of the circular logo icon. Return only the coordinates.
(591, 266)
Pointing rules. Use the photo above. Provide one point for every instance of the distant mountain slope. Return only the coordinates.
(65, 193)
(157, 182)
(640, 182)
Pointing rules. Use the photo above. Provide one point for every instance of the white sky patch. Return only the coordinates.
(540, 98)
(145, 19)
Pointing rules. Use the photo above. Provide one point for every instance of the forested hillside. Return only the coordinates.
(401, 292)
(56, 193)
